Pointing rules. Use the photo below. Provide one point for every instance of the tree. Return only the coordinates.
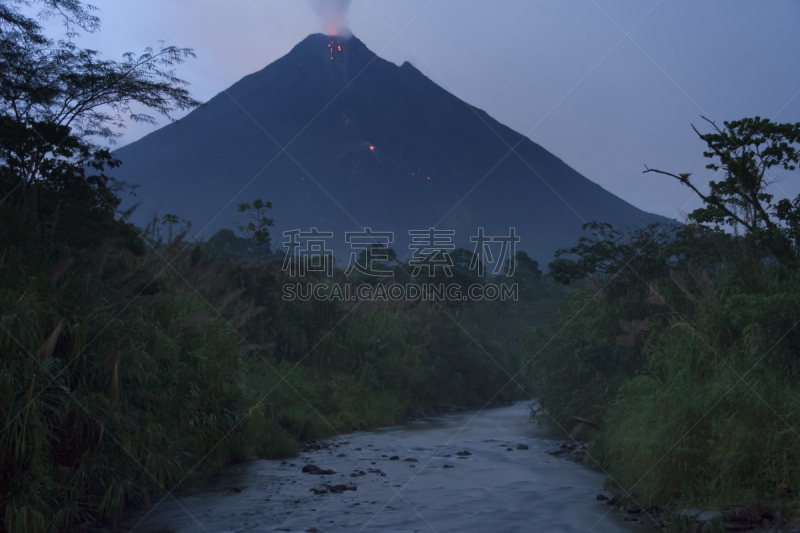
(524, 267)
(57, 100)
(467, 261)
(623, 259)
(746, 150)
(42, 80)
(256, 229)
(47, 173)
(374, 260)
(176, 226)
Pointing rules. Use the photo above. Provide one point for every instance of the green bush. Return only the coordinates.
(574, 365)
(714, 423)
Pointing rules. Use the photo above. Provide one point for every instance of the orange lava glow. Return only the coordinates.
(371, 147)
(334, 42)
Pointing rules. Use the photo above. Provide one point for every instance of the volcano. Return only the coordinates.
(339, 139)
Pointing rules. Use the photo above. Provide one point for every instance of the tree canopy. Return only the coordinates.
(746, 151)
(58, 101)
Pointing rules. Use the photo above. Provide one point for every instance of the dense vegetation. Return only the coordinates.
(133, 363)
(123, 377)
(682, 342)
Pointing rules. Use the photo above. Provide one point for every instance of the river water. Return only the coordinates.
(492, 490)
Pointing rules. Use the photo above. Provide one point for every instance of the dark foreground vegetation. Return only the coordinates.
(133, 363)
(684, 346)
(124, 376)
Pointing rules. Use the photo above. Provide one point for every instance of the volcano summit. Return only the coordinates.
(339, 139)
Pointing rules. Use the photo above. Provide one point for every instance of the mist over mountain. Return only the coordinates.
(367, 144)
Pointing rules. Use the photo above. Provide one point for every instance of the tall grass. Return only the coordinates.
(107, 397)
(123, 376)
(715, 422)
(700, 408)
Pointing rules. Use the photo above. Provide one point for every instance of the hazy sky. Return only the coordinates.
(607, 86)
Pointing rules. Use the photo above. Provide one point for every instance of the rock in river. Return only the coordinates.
(314, 469)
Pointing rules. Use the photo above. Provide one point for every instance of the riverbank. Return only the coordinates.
(469, 472)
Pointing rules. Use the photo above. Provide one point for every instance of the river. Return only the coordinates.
(405, 485)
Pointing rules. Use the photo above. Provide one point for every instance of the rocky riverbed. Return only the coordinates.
(490, 471)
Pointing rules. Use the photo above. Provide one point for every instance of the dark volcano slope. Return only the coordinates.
(370, 144)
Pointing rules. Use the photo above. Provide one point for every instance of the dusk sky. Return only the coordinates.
(607, 86)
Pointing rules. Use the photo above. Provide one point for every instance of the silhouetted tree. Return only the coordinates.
(56, 101)
(746, 150)
(256, 228)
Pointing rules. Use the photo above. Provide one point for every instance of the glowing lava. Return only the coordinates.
(335, 47)
(371, 147)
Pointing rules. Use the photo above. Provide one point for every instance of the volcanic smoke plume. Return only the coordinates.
(333, 14)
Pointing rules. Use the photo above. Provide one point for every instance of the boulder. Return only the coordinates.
(314, 469)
